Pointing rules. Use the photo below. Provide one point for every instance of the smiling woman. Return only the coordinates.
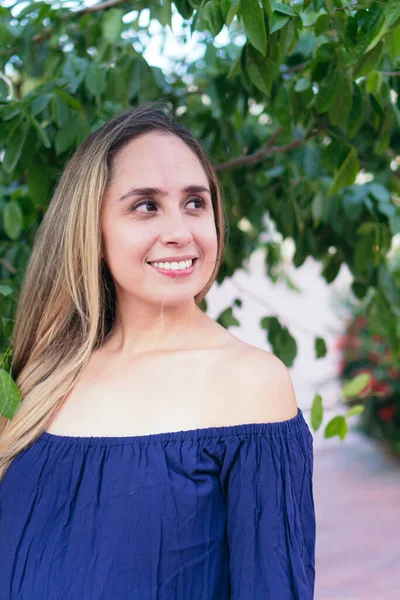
(136, 236)
(175, 450)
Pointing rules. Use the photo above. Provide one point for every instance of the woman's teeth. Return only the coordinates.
(174, 266)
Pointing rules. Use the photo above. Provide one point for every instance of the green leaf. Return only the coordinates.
(74, 69)
(262, 70)
(376, 106)
(284, 9)
(232, 12)
(14, 147)
(340, 110)
(10, 110)
(347, 171)
(116, 89)
(5, 290)
(227, 319)
(111, 25)
(317, 412)
(288, 38)
(336, 426)
(325, 53)
(44, 138)
(213, 15)
(379, 35)
(328, 90)
(302, 84)
(39, 104)
(355, 386)
(386, 127)
(95, 80)
(320, 347)
(379, 192)
(164, 13)
(392, 42)
(38, 183)
(254, 24)
(392, 12)
(277, 21)
(70, 100)
(317, 208)
(355, 410)
(66, 136)
(356, 116)
(60, 111)
(372, 26)
(10, 397)
(283, 343)
(235, 68)
(367, 62)
(322, 24)
(4, 89)
(267, 7)
(12, 219)
(374, 82)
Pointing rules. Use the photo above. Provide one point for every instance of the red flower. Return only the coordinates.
(341, 342)
(394, 372)
(373, 357)
(360, 323)
(341, 365)
(386, 413)
(377, 338)
(380, 388)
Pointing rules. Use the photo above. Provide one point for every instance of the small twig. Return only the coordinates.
(8, 266)
(101, 6)
(295, 68)
(273, 137)
(40, 37)
(267, 150)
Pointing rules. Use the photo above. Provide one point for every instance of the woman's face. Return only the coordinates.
(151, 225)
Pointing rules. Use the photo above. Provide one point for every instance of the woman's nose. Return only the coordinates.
(175, 228)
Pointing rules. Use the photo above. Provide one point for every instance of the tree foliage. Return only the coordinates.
(299, 111)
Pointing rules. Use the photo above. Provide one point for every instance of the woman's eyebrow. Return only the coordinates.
(141, 191)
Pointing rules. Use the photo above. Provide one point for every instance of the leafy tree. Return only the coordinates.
(299, 111)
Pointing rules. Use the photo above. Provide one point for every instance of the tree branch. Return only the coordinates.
(8, 266)
(40, 37)
(101, 6)
(295, 68)
(267, 150)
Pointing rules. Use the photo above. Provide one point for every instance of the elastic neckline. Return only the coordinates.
(272, 428)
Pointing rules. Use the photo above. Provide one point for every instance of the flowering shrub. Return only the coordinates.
(364, 352)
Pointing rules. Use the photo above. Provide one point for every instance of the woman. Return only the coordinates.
(154, 455)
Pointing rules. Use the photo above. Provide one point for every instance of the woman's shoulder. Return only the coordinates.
(258, 385)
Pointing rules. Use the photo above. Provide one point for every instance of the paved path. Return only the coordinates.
(357, 502)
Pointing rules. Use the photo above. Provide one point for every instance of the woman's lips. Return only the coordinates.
(177, 272)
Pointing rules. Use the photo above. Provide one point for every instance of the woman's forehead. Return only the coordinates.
(165, 164)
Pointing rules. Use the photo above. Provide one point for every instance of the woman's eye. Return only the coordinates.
(143, 202)
(146, 202)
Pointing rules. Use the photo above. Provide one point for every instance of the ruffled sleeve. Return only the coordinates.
(267, 481)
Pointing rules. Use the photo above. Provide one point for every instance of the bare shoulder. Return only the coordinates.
(264, 388)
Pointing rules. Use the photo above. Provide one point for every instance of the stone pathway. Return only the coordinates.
(357, 503)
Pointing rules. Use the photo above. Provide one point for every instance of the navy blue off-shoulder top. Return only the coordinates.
(222, 513)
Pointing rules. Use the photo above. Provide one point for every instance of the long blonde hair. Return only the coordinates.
(66, 305)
